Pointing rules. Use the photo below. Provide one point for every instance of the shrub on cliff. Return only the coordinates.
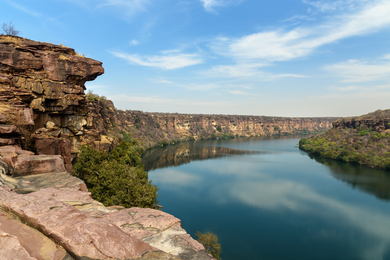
(117, 179)
(210, 242)
(9, 29)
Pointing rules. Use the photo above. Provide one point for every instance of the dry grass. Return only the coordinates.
(7, 38)
(63, 57)
(4, 108)
(78, 55)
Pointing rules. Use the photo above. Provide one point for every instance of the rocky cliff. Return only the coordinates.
(363, 140)
(157, 129)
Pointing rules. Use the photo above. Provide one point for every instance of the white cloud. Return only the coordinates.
(24, 9)
(281, 45)
(364, 88)
(210, 4)
(246, 70)
(238, 92)
(331, 6)
(129, 7)
(165, 62)
(386, 57)
(361, 71)
(163, 81)
(134, 42)
(159, 100)
(234, 71)
(202, 87)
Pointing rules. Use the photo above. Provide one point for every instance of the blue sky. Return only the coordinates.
(254, 57)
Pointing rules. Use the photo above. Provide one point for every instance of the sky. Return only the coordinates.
(295, 58)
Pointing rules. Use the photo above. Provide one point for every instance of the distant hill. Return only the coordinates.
(364, 140)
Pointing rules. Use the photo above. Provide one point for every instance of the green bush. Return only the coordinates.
(219, 129)
(119, 178)
(210, 242)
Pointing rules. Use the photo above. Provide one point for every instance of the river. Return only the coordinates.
(266, 199)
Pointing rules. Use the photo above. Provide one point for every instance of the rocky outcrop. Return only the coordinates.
(42, 86)
(66, 223)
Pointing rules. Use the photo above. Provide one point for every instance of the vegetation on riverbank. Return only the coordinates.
(363, 140)
(117, 178)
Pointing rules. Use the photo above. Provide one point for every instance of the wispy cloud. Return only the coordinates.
(24, 9)
(246, 70)
(134, 42)
(238, 92)
(163, 81)
(160, 100)
(281, 45)
(165, 62)
(129, 7)
(338, 5)
(361, 71)
(235, 71)
(354, 88)
(209, 5)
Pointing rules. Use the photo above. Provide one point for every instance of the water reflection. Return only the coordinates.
(265, 201)
(372, 181)
(182, 153)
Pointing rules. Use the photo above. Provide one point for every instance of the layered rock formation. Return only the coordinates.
(42, 86)
(155, 129)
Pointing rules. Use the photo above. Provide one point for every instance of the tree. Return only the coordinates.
(210, 242)
(119, 178)
(10, 30)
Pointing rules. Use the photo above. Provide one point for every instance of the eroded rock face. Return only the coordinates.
(41, 83)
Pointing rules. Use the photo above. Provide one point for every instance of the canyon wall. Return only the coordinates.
(155, 129)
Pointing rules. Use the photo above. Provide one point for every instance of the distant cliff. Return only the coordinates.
(364, 140)
(159, 129)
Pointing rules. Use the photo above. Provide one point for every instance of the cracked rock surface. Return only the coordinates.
(69, 224)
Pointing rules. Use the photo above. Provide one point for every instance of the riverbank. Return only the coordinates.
(364, 140)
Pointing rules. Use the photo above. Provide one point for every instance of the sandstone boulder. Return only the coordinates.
(8, 129)
(36, 164)
(56, 146)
